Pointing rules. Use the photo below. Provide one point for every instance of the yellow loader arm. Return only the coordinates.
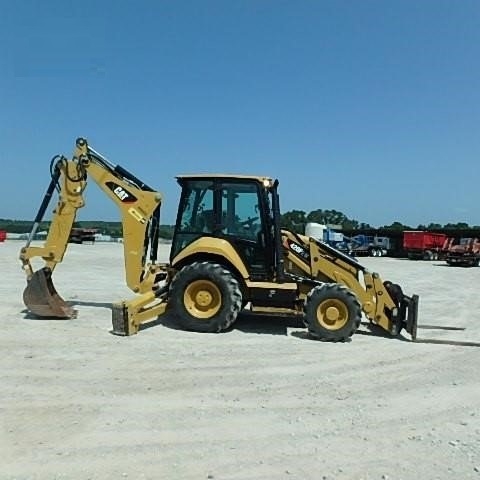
(383, 303)
(140, 212)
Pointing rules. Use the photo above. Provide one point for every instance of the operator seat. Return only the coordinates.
(206, 221)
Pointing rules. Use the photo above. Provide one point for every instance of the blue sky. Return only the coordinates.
(368, 107)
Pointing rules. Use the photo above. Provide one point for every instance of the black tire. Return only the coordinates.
(342, 304)
(204, 297)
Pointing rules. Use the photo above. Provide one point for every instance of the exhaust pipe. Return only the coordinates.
(41, 298)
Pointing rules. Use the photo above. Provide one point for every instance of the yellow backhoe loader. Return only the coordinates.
(228, 252)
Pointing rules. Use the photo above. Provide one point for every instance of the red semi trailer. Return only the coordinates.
(3, 235)
(421, 245)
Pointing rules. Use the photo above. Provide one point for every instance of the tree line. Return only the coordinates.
(114, 229)
(294, 220)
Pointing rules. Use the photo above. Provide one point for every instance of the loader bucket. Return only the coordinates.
(407, 314)
(41, 298)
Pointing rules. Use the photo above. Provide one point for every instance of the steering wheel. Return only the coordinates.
(249, 222)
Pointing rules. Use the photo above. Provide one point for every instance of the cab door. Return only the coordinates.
(244, 225)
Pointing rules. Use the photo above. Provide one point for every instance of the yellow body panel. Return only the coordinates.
(212, 246)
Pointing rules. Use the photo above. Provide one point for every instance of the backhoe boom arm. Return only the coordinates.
(139, 206)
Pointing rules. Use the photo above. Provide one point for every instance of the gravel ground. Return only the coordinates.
(261, 401)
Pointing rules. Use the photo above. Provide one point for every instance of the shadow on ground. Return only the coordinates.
(247, 322)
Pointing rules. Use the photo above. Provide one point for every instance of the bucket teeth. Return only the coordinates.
(41, 298)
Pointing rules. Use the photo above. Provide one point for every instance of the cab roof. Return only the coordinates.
(229, 176)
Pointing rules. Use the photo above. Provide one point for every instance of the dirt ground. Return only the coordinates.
(261, 401)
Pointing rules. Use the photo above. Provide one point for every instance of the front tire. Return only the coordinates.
(204, 297)
(332, 312)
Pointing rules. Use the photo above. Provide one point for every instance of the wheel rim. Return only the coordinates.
(332, 314)
(202, 299)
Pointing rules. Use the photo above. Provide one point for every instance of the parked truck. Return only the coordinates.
(357, 245)
(463, 252)
(329, 236)
(3, 235)
(371, 245)
(420, 245)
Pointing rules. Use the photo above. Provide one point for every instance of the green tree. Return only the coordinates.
(294, 220)
(353, 224)
(363, 226)
(459, 225)
(332, 217)
(316, 216)
(398, 226)
(166, 231)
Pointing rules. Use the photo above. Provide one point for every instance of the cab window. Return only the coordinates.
(240, 210)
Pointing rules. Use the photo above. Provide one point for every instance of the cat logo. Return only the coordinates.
(121, 193)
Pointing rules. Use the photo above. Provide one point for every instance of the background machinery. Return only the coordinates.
(464, 252)
(371, 245)
(356, 245)
(329, 236)
(228, 251)
(421, 245)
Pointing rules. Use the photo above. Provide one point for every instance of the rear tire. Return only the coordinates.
(204, 297)
(332, 312)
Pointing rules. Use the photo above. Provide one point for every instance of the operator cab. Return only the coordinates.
(234, 208)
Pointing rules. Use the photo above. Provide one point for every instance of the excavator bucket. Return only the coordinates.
(41, 298)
